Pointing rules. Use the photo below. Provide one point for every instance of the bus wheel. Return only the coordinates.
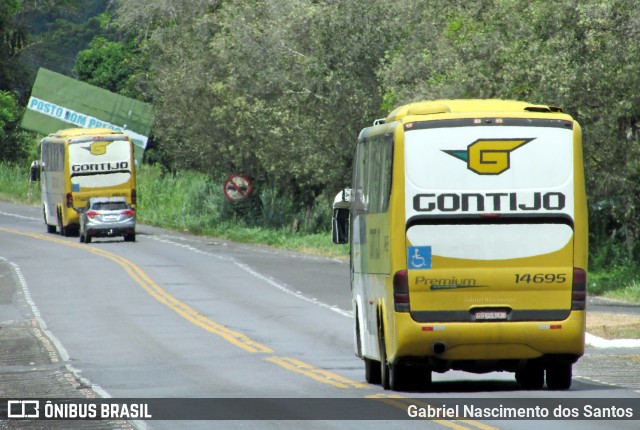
(384, 367)
(356, 334)
(50, 228)
(61, 228)
(399, 377)
(531, 377)
(559, 376)
(371, 367)
(422, 377)
(372, 371)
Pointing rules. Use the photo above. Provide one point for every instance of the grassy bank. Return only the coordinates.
(14, 184)
(621, 283)
(193, 202)
(190, 201)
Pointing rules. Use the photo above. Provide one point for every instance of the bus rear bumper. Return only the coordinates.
(489, 341)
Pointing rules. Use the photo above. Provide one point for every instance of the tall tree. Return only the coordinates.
(110, 65)
(275, 88)
(57, 29)
(583, 59)
(279, 89)
(12, 41)
(14, 142)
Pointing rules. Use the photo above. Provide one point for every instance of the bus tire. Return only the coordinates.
(422, 377)
(50, 228)
(384, 366)
(372, 371)
(399, 377)
(531, 377)
(559, 376)
(61, 228)
(371, 367)
(356, 334)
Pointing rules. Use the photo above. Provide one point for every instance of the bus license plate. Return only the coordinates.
(491, 315)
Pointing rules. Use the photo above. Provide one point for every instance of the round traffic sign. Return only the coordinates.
(237, 188)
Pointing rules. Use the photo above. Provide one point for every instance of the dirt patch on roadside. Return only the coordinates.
(613, 326)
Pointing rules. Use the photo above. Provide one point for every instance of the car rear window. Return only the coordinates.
(109, 206)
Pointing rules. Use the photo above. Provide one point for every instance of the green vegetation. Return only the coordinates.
(14, 183)
(618, 282)
(278, 90)
(190, 201)
(15, 143)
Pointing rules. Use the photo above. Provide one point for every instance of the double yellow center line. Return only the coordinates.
(239, 339)
(190, 314)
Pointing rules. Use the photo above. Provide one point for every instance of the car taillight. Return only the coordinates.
(69, 200)
(579, 290)
(401, 291)
(128, 212)
(92, 214)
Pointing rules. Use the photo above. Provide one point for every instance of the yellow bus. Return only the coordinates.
(468, 229)
(80, 163)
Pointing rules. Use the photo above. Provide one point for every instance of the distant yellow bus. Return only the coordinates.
(80, 163)
(468, 225)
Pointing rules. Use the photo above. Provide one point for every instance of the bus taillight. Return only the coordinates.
(134, 197)
(579, 290)
(401, 291)
(69, 200)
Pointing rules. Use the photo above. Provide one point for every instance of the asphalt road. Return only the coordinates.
(179, 316)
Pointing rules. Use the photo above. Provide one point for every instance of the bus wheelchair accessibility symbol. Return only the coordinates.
(419, 257)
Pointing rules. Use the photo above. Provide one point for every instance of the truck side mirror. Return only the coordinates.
(340, 220)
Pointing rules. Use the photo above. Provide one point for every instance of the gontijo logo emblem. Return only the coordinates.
(98, 148)
(489, 156)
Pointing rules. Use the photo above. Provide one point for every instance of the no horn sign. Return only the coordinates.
(237, 188)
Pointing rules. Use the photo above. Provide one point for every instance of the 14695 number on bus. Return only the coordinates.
(541, 278)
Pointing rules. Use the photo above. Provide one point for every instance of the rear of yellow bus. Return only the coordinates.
(496, 242)
(100, 164)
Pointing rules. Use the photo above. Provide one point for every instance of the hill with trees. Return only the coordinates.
(278, 89)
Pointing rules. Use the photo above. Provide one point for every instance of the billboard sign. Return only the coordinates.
(58, 102)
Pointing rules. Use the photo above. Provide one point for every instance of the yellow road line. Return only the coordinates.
(241, 340)
(320, 375)
(193, 316)
(184, 310)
